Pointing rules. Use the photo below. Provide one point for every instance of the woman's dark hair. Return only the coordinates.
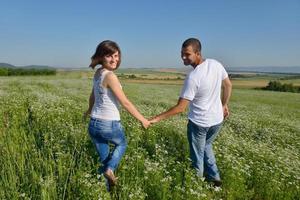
(107, 47)
(194, 42)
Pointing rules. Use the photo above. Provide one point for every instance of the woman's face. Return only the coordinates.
(110, 62)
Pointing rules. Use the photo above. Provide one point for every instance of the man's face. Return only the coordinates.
(189, 56)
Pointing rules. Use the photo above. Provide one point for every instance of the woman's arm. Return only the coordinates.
(113, 83)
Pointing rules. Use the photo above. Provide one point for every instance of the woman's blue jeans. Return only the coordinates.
(106, 132)
(201, 152)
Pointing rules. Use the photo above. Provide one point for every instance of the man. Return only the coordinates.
(207, 107)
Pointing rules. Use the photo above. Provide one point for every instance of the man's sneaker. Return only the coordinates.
(215, 183)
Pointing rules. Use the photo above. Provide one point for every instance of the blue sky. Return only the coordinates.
(65, 33)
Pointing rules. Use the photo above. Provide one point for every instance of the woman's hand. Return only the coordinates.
(146, 123)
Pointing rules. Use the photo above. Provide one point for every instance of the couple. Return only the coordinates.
(201, 91)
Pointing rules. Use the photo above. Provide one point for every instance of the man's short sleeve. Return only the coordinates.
(224, 73)
(189, 89)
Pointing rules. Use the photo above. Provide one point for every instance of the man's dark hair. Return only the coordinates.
(194, 42)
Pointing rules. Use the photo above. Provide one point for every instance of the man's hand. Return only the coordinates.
(225, 111)
(154, 120)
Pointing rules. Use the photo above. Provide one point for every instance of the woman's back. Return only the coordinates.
(106, 105)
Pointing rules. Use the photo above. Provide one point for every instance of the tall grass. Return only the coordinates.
(46, 152)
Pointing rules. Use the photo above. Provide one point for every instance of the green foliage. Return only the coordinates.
(278, 86)
(25, 72)
(132, 76)
(3, 71)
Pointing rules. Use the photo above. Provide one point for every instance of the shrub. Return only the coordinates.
(3, 71)
(277, 86)
(25, 72)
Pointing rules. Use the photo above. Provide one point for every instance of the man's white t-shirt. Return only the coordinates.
(202, 87)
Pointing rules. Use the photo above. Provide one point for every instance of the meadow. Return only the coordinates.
(46, 152)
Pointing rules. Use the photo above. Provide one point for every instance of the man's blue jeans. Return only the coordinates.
(103, 133)
(201, 152)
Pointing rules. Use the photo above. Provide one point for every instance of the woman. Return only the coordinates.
(105, 127)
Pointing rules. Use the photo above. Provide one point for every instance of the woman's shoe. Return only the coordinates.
(109, 174)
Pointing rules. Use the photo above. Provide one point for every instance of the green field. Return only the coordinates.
(46, 152)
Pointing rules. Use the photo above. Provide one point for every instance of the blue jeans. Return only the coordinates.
(103, 133)
(201, 152)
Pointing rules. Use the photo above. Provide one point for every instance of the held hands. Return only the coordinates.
(154, 120)
(146, 123)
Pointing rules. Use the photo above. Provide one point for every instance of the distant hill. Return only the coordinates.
(38, 67)
(7, 65)
(284, 70)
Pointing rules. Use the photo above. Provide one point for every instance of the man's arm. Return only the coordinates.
(227, 87)
(178, 108)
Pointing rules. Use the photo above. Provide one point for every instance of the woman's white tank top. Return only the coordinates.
(106, 104)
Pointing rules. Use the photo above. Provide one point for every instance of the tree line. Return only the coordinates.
(278, 86)
(25, 72)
